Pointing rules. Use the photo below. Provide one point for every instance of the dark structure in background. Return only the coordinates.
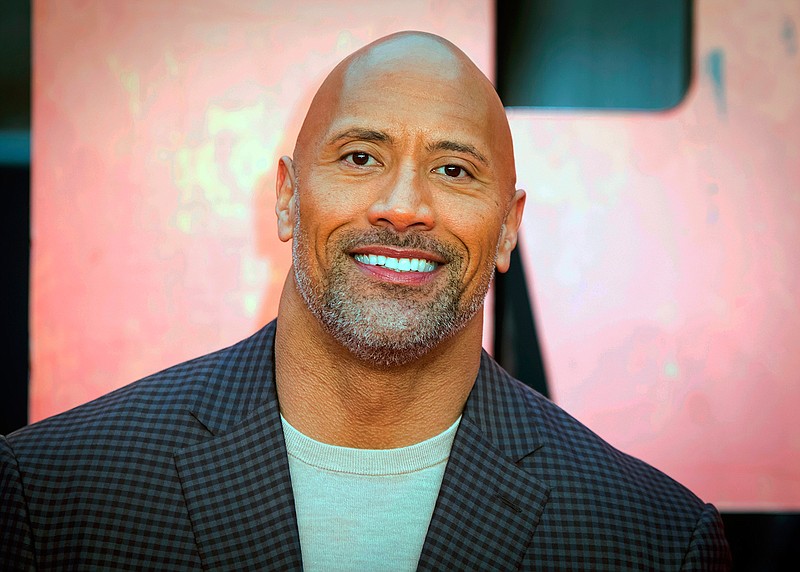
(604, 40)
(516, 345)
(608, 54)
(14, 233)
(605, 54)
(15, 121)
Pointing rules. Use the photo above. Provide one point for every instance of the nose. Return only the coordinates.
(404, 204)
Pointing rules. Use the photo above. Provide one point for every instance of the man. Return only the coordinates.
(364, 429)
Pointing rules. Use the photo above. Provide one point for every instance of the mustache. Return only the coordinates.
(417, 240)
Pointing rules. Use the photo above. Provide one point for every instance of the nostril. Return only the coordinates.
(401, 217)
(401, 224)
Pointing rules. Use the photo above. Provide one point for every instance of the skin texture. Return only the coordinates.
(405, 151)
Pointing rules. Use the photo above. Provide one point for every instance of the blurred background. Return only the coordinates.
(656, 291)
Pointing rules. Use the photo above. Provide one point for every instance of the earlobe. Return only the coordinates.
(509, 231)
(285, 185)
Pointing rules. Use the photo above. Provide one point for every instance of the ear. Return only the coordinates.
(508, 233)
(285, 184)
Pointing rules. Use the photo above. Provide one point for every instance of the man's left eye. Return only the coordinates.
(453, 171)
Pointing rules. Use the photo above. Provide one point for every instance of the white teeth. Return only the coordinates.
(398, 265)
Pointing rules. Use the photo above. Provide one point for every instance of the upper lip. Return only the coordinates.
(380, 250)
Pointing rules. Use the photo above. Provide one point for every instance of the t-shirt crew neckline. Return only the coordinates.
(369, 462)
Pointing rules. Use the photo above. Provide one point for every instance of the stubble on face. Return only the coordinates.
(385, 324)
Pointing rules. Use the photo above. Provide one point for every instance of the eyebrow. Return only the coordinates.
(445, 145)
(361, 134)
(383, 137)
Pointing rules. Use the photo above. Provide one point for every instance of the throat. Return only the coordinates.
(331, 395)
(369, 409)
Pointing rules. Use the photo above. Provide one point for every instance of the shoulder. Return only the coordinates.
(106, 472)
(602, 498)
(152, 410)
(566, 450)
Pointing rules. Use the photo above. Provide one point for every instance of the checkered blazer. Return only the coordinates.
(187, 469)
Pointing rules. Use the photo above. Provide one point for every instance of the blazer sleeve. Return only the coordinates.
(16, 543)
(708, 548)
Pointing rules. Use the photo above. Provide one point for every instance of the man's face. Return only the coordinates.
(400, 210)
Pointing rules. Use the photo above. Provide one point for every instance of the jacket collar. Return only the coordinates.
(241, 378)
(235, 381)
(501, 409)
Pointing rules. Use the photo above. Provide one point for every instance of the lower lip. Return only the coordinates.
(388, 275)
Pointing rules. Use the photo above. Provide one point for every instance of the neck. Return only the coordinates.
(330, 395)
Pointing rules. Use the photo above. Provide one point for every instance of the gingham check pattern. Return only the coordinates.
(187, 470)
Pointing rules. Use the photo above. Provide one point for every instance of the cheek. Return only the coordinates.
(332, 201)
(322, 216)
(476, 226)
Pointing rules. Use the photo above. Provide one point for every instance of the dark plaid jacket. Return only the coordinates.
(187, 469)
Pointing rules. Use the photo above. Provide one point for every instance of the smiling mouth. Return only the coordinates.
(397, 264)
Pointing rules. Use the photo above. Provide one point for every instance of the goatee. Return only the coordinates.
(386, 324)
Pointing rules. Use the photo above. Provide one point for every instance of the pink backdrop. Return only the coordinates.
(157, 128)
(665, 262)
(661, 247)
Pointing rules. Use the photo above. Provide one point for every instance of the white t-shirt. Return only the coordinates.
(364, 509)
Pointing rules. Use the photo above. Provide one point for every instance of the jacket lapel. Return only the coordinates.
(236, 484)
(488, 507)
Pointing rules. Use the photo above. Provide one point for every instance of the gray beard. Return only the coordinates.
(385, 324)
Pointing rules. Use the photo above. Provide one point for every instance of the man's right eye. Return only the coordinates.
(360, 158)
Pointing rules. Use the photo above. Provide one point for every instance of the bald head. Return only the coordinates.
(409, 53)
(410, 64)
(400, 199)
